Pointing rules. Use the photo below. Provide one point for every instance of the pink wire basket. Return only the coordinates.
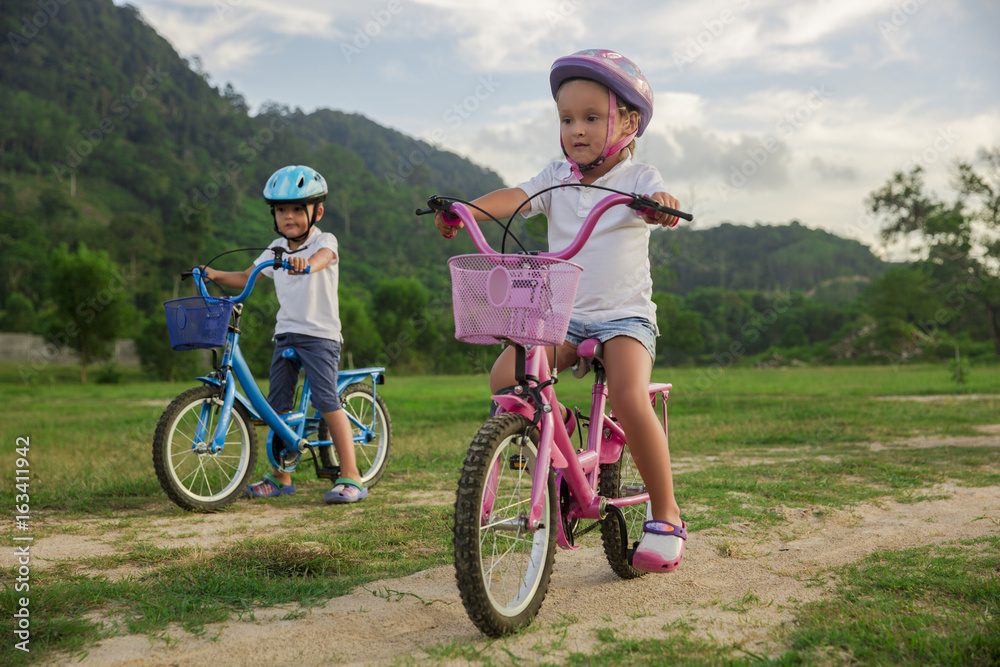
(519, 298)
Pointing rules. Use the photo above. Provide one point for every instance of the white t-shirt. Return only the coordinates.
(307, 303)
(616, 282)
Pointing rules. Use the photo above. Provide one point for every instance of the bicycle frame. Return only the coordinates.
(292, 428)
(605, 440)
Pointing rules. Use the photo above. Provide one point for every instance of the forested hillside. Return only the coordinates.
(121, 166)
(768, 258)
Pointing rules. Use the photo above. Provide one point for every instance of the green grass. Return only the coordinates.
(798, 437)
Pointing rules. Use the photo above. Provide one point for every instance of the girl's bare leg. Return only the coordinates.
(628, 367)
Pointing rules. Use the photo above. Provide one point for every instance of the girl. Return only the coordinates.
(604, 102)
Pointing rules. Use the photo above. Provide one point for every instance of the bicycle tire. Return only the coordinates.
(617, 480)
(373, 456)
(203, 481)
(502, 569)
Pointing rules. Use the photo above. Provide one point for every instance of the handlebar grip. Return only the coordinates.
(643, 204)
(436, 205)
(679, 214)
(287, 266)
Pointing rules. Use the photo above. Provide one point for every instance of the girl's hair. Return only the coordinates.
(623, 107)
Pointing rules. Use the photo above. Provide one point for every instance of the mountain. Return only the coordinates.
(100, 117)
(109, 138)
(765, 258)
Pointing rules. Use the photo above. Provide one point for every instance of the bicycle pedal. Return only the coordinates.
(328, 473)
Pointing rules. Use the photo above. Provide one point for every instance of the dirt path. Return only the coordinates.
(401, 617)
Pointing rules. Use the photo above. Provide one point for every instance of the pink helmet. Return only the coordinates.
(621, 77)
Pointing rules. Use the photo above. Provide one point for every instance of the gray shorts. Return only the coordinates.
(638, 328)
(320, 358)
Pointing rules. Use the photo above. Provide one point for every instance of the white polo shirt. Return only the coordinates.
(308, 304)
(616, 281)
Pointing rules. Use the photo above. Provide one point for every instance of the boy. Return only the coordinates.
(308, 320)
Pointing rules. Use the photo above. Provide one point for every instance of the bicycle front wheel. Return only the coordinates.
(619, 480)
(193, 476)
(372, 430)
(502, 567)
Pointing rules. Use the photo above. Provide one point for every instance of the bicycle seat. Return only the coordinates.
(586, 351)
(292, 355)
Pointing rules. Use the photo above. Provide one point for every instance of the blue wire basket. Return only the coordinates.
(198, 322)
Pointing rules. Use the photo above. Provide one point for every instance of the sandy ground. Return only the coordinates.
(411, 615)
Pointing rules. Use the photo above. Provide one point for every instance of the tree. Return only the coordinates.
(401, 313)
(960, 240)
(680, 329)
(155, 354)
(19, 315)
(91, 304)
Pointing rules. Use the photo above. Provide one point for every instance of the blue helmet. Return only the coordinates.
(295, 184)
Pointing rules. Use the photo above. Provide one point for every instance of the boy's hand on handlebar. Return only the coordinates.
(448, 226)
(659, 217)
(297, 263)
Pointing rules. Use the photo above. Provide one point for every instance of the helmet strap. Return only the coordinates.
(301, 237)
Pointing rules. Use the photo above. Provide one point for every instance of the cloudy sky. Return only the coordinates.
(766, 111)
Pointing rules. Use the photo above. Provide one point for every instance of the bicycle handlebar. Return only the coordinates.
(455, 212)
(251, 280)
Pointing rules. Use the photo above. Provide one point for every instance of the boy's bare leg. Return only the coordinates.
(343, 442)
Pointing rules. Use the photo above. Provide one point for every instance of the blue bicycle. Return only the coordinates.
(205, 446)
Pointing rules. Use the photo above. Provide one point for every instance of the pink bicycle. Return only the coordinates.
(524, 486)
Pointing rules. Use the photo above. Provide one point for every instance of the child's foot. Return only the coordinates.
(661, 548)
(345, 490)
(269, 487)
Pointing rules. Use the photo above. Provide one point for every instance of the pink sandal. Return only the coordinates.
(661, 548)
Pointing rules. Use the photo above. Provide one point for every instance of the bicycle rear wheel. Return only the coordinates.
(190, 473)
(372, 429)
(502, 567)
(618, 480)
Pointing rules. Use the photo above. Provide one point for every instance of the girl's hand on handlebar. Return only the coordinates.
(659, 217)
(447, 225)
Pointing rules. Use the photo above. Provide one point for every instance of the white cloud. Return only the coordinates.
(731, 77)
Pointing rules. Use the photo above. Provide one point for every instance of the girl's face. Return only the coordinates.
(293, 219)
(583, 120)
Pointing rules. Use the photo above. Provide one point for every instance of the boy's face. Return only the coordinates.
(293, 219)
(583, 120)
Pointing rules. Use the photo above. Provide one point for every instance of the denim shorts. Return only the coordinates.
(320, 358)
(638, 328)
